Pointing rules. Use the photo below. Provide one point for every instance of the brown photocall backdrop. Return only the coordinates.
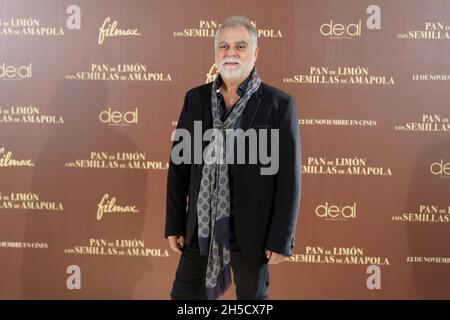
(90, 92)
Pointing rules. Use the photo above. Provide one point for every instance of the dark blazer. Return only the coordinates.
(265, 206)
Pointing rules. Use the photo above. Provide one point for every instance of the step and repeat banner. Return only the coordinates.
(90, 92)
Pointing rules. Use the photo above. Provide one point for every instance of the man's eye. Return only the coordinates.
(222, 46)
(242, 47)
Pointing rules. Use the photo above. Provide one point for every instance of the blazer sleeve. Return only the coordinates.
(178, 179)
(281, 236)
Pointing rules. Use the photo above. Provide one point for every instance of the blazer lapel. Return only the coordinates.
(248, 116)
(207, 113)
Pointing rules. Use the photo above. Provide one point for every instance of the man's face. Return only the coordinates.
(235, 54)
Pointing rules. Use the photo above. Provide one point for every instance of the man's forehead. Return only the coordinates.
(237, 34)
(235, 41)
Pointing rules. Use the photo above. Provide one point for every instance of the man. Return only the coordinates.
(221, 215)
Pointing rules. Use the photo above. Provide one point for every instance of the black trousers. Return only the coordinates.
(250, 274)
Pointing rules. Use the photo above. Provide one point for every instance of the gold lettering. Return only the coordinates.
(107, 205)
(110, 30)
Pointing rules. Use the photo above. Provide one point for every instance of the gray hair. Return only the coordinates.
(234, 22)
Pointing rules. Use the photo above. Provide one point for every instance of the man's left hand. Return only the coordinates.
(274, 258)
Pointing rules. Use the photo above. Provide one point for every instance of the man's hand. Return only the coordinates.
(176, 243)
(274, 258)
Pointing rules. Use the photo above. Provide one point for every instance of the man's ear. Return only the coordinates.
(256, 53)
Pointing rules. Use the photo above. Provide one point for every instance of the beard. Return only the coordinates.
(232, 71)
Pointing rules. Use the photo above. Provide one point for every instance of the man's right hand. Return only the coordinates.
(176, 243)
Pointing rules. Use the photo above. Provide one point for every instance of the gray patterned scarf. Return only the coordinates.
(213, 204)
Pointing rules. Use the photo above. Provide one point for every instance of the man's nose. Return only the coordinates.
(231, 52)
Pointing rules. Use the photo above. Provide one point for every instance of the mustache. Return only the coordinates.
(226, 60)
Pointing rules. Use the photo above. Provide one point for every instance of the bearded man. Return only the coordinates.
(234, 216)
